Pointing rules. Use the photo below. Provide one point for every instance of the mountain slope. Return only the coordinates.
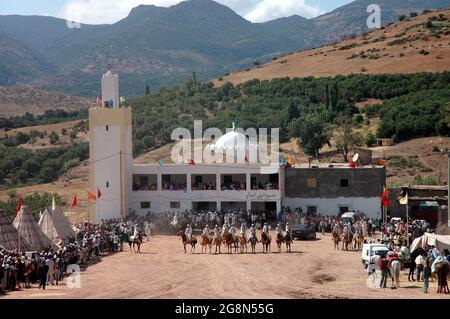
(20, 63)
(158, 46)
(406, 47)
(17, 100)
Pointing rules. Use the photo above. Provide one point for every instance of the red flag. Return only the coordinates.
(351, 164)
(384, 198)
(246, 159)
(191, 162)
(74, 202)
(98, 193)
(19, 205)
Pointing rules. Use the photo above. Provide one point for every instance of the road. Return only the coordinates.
(313, 270)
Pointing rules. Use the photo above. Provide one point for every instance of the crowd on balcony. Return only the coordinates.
(234, 186)
(174, 186)
(203, 186)
(145, 187)
(265, 186)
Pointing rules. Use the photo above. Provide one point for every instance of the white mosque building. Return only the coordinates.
(141, 188)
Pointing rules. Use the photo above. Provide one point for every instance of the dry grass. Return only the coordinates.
(331, 60)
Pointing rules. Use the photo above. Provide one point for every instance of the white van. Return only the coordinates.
(369, 250)
(348, 217)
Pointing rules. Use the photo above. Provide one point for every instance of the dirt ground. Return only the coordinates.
(313, 270)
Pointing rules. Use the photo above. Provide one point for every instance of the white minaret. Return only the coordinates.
(110, 153)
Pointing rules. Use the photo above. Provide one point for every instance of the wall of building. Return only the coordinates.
(330, 206)
(330, 188)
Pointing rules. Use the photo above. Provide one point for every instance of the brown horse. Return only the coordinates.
(30, 268)
(217, 240)
(243, 243)
(253, 240)
(336, 239)
(265, 241)
(345, 238)
(288, 240)
(136, 241)
(231, 242)
(185, 241)
(442, 271)
(206, 241)
(280, 241)
(358, 241)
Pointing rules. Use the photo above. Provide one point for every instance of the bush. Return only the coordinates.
(370, 140)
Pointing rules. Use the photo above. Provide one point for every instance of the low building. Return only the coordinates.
(424, 202)
(334, 189)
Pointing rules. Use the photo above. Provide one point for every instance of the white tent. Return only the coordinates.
(440, 241)
(55, 225)
(30, 230)
(9, 236)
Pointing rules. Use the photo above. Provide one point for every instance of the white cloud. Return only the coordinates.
(267, 10)
(110, 11)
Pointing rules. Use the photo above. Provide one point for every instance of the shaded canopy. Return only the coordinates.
(440, 241)
(9, 236)
(30, 230)
(55, 225)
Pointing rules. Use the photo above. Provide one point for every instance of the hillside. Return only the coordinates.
(17, 100)
(20, 63)
(405, 47)
(159, 46)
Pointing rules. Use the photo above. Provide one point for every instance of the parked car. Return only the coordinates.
(302, 231)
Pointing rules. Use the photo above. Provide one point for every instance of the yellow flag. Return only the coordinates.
(404, 200)
(53, 203)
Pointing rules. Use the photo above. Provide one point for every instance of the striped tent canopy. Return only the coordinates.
(55, 225)
(29, 230)
(9, 236)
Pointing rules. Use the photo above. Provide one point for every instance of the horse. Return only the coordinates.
(231, 241)
(136, 240)
(206, 241)
(280, 241)
(336, 239)
(394, 267)
(288, 240)
(242, 243)
(253, 240)
(358, 240)
(265, 241)
(186, 241)
(442, 271)
(217, 240)
(345, 238)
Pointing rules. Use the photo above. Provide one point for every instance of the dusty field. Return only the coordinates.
(337, 59)
(312, 270)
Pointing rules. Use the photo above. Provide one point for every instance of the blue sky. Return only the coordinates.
(109, 11)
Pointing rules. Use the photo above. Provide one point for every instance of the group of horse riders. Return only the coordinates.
(227, 229)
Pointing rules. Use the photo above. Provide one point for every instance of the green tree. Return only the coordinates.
(313, 133)
(346, 139)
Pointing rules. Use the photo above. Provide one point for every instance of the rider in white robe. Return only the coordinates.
(278, 230)
(253, 232)
(232, 231)
(188, 232)
(242, 232)
(266, 229)
(206, 231)
(288, 229)
(225, 229)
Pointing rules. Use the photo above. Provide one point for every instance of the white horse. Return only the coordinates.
(395, 273)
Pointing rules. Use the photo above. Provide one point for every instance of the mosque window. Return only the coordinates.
(344, 182)
(145, 205)
(174, 204)
(107, 127)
